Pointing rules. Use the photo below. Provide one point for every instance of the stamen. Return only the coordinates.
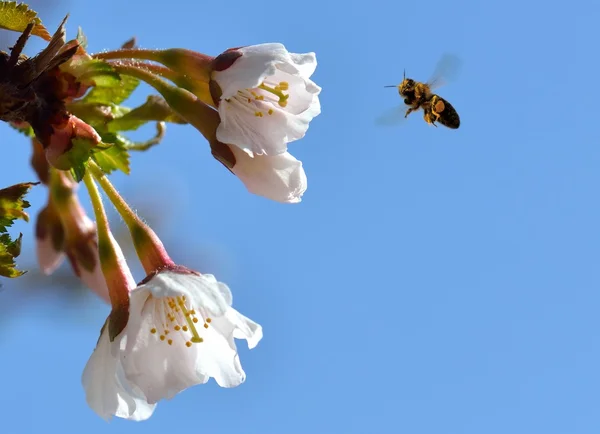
(277, 91)
(173, 314)
(195, 337)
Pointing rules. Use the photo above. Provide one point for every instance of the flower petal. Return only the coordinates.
(106, 389)
(279, 177)
(94, 280)
(241, 127)
(160, 370)
(48, 258)
(248, 71)
(201, 289)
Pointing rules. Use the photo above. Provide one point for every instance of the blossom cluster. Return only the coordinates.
(176, 327)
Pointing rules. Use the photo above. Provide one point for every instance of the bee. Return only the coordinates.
(418, 95)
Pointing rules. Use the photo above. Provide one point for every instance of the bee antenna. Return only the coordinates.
(404, 75)
(392, 85)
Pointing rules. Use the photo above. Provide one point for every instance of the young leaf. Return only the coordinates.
(12, 205)
(115, 93)
(27, 130)
(115, 157)
(154, 109)
(16, 17)
(76, 157)
(93, 72)
(81, 38)
(9, 250)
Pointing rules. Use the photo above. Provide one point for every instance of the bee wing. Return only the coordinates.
(391, 117)
(446, 70)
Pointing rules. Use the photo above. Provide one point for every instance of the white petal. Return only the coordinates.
(279, 177)
(174, 343)
(107, 391)
(256, 135)
(202, 290)
(48, 258)
(160, 370)
(248, 71)
(305, 63)
(95, 280)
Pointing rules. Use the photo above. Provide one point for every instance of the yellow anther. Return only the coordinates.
(249, 100)
(205, 326)
(283, 101)
(195, 320)
(153, 330)
(270, 111)
(208, 320)
(277, 91)
(162, 337)
(258, 114)
(177, 328)
(283, 85)
(185, 328)
(166, 332)
(260, 98)
(170, 341)
(188, 344)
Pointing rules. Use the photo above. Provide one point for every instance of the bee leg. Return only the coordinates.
(409, 111)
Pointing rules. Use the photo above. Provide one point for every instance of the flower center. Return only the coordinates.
(278, 91)
(252, 95)
(179, 317)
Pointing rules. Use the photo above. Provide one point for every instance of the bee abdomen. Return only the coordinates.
(446, 112)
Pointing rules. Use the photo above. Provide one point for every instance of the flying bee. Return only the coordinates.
(418, 95)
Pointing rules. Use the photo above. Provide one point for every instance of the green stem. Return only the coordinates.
(130, 53)
(187, 105)
(114, 268)
(198, 87)
(148, 246)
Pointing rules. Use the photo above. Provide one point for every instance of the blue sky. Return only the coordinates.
(431, 281)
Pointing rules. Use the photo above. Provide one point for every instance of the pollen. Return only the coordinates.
(258, 114)
(152, 330)
(188, 344)
(195, 320)
(170, 341)
(270, 111)
(205, 325)
(208, 320)
(162, 337)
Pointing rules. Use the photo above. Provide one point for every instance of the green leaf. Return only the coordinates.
(12, 205)
(113, 93)
(76, 157)
(27, 130)
(92, 71)
(81, 38)
(115, 157)
(154, 109)
(9, 251)
(16, 17)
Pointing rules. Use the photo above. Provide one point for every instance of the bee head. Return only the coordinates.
(407, 86)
